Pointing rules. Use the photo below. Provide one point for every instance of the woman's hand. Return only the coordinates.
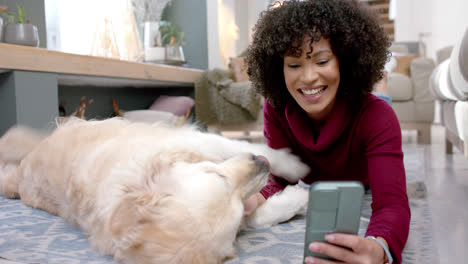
(349, 249)
(252, 203)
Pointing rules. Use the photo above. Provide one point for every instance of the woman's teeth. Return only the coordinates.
(312, 91)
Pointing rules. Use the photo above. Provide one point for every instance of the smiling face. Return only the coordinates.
(313, 78)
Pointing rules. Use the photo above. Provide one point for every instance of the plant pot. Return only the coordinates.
(155, 53)
(21, 34)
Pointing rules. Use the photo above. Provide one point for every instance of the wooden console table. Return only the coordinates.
(29, 80)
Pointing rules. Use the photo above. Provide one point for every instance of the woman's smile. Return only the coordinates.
(313, 93)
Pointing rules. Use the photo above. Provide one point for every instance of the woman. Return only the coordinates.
(316, 62)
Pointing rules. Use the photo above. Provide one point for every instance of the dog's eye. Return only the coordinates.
(214, 170)
(220, 174)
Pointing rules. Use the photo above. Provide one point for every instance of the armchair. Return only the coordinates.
(412, 99)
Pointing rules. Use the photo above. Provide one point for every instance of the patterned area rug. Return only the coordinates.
(284, 243)
(33, 236)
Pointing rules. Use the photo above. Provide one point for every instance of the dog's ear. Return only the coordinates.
(151, 225)
(130, 213)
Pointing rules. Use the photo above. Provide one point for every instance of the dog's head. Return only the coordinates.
(186, 211)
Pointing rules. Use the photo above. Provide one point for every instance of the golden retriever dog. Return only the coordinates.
(142, 193)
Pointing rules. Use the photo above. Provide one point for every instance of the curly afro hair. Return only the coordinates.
(355, 36)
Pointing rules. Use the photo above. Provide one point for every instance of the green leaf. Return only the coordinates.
(169, 31)
(12, 18)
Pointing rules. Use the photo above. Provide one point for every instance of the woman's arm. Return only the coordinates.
(277, 139)
(390, 209)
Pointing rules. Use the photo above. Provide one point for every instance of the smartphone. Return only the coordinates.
(334, 207)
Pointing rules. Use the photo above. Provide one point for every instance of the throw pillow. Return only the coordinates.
(177, 105)
(239, 69)
(403, 63)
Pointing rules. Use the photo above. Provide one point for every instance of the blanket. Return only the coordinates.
(219, 100)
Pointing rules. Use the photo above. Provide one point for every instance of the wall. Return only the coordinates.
(213, 55)
(449, 23)
(246, 14)
(441, 23)
(35, 13)
(247, 20)
(242, 21)
(191, 18)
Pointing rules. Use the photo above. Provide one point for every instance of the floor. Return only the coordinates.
(447, 185)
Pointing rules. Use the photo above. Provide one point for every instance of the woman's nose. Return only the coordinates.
(309, 74)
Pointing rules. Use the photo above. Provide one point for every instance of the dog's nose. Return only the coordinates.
(262, 163)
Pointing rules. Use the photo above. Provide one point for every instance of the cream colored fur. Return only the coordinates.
(142, 193)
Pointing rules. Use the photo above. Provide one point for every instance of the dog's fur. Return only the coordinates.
(144, 193)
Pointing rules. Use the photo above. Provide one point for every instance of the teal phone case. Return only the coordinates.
(334, 207)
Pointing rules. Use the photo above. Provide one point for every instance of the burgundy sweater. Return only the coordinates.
(363, 146)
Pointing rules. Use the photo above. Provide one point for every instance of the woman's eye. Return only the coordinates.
(293, 66)
(322, 62)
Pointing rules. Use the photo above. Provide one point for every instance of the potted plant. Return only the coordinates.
(19, 30)
(173, 39)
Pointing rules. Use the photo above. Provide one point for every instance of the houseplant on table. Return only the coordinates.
(173, 39)
(19, 30)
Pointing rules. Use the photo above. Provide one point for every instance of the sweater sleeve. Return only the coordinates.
(276, 139)
(390, 209)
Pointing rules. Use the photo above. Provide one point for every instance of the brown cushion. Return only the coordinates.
(239, 69)
(403, 63)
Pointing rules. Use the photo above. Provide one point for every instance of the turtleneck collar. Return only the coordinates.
(329, 131)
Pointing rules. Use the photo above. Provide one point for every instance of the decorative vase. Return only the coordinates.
(21, 34)
(175, 53)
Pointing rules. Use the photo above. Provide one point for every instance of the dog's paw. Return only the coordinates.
(280, 207)
(8, 180)
(286, 165)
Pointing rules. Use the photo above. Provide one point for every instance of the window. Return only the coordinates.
(93, 27)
